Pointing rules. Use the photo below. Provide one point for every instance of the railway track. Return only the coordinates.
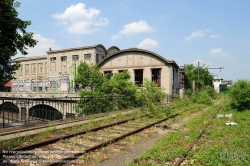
(32, 126)
(189, 147)
(69, 148)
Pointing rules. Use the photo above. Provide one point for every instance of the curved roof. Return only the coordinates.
(115, 47)
(137, 50)
(100, 45)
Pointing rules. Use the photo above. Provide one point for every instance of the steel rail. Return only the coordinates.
(45, 124)
(76, 155)
(190, 147)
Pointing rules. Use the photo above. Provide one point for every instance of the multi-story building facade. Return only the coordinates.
(56, 71)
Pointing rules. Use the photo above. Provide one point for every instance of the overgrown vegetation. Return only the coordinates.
(205, 77)
(115, 93)
(219, 145)
(204, 96)
(239, 94)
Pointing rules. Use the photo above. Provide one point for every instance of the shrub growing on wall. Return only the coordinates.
(239, 94)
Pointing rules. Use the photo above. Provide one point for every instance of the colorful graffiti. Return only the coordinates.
(64, 82)
(27, 85)
(59, 83)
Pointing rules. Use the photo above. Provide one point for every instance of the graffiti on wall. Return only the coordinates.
(54, 84)
(27, 85)
(17, 86)
(64, 78)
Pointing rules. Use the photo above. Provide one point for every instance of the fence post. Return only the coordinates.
(43, 109)
(3, 112)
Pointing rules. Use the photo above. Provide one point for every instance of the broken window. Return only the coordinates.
(75, 57)
(138, 77)
(156, 76)
(64, 58)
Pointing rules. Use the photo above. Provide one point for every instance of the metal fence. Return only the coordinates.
(24, 111)
(19, 111)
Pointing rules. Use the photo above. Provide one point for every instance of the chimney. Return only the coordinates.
(49, 49)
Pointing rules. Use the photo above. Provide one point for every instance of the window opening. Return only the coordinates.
(138, 77)
(75, 57)
(87, 56)
(63, 58)
(53, 59)
(109, 73)
(156, 76)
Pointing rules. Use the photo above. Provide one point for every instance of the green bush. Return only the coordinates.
(176, 97)
(210, 91)
(239, 94)
(201, 97)
(188, 92)
(93, 103)
(149, 93)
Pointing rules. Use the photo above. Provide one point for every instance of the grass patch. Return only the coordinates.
(219, 145)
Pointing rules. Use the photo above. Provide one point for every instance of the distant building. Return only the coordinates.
(227, 82)
(221, 85)
(143, 64)
(56, 71)
(217, 84)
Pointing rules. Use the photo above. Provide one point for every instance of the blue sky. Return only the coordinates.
(214, 32)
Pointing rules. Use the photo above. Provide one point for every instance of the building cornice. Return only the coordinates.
(75, 49)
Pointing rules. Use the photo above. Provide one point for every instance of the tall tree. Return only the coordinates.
(13, 38)
(89, 76)
(205, 76)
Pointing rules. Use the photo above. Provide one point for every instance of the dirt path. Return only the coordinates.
(136, 150)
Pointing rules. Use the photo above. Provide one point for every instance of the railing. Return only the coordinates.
(20, 111)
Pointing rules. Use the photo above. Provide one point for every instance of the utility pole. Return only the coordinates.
(206, 68)
(198, 71)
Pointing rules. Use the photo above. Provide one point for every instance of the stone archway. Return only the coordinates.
(43, 111)
(9, 111)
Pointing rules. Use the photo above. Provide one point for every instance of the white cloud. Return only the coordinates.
(199, 33)
(136, 27)
(214, 36)
(115, 37)
(133, 28)
(41, 47)
(80, 20)
(218, 51)
(148, 44)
